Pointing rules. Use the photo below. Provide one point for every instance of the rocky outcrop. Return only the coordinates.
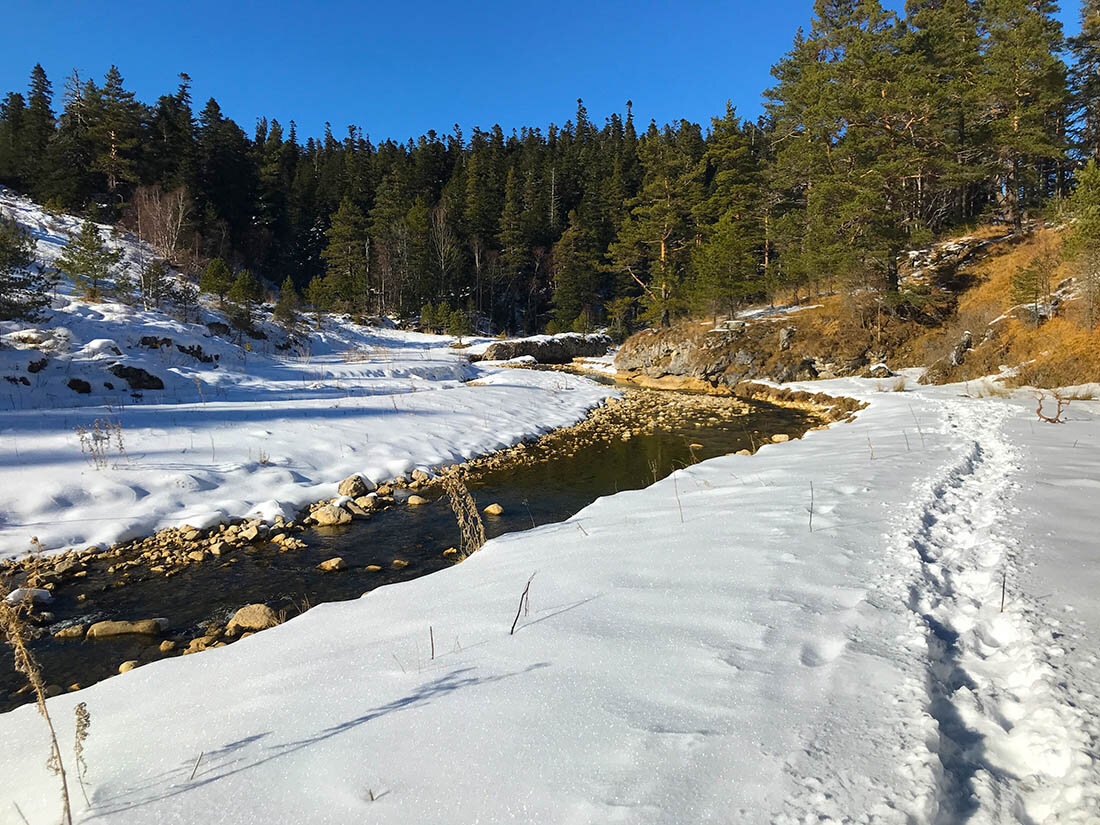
(722, 355)
(550, 349)
(136, 377)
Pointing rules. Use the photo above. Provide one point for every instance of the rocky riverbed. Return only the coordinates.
(95, 605)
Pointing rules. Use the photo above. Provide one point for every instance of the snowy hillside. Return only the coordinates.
(212, 426)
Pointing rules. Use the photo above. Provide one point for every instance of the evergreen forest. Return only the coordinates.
(880, 133)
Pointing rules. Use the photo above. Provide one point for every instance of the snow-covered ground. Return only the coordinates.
(810, 634)
(241, 426)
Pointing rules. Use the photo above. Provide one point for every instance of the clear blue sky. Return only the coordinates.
(398, 69)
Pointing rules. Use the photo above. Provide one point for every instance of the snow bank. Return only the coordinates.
(730, 644)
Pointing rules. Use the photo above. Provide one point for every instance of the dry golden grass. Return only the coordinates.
(465, 509)
(14, 629)
(1059, 352)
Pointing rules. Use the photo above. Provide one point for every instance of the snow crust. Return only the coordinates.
(726, 665)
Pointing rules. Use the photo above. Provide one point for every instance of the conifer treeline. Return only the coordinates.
(880, 131)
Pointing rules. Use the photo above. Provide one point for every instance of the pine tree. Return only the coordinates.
(22, 284)
(652, 243)
(317, 293)
(346, 257)
(1083, 244)
(38, 127)
(1024, 85)
(1085, 80)
(286, 307)
(576, 271)
(88, 261)
(244, 298)
(115, 131)
(217, 279)
(154, 284)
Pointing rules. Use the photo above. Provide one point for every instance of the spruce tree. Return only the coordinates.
(286, 306)
(346, 257)
(22, 284)
(244, 298)
(88, 261)
(217, 279)
(155, 284)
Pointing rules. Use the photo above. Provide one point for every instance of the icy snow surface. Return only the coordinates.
(733, 666)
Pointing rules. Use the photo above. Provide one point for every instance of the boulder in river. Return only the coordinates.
(331, 565)
(253, 617)
(354, 486)
(493, 510)
(126, 667)
(142, 627)
(330, 514)
(416, 501)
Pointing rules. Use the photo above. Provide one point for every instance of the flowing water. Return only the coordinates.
(531, 494)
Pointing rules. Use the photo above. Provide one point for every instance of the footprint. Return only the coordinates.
(822, 651)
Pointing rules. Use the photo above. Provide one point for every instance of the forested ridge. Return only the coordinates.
(880, 132)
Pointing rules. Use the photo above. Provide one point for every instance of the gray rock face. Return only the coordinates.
(557, 349)
(958, 354)
(786, 335)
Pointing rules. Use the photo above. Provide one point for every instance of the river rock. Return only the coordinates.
(331, 565)
(354, 486)
(779, 438)
(415, 501)
(127, 666)
(493, 510)
(167, 646)
(73, 631)
(217, 548)
(143, 627)
(400, 564)
(356, 510)
(196, 555)
(421, 476)
(253, 617)
(743, 452)
(330, 514)
(373, 568)
(250, 533)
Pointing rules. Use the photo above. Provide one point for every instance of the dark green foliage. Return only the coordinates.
(216, 279)
(88, 261)
(154, 284)
(286, 307)
(244, 298)
(346, 258)
(22, 284)
(882, 130)
(458, 324)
